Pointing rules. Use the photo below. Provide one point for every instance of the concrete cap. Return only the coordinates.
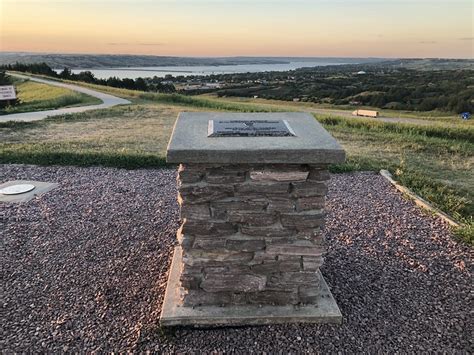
(312, 144)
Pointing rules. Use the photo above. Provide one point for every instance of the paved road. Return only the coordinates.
(107, 101)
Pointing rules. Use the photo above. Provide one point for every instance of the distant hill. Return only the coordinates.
(89, 61)
(428, 64)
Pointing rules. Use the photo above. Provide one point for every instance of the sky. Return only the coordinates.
(335, 28)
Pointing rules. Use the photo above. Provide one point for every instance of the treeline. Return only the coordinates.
(382, 87)
(142, 84)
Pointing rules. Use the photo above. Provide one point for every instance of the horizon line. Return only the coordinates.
(222, 56)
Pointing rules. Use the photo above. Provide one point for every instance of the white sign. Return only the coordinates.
(7, 92)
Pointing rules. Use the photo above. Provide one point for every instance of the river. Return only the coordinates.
(161, 72)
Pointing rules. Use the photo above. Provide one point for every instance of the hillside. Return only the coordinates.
(82, 61)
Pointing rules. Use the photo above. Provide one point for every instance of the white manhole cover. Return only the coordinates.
(17, 189)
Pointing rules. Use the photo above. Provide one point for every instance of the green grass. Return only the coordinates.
(433, 116)
(434, 161)
(465, 233)
(405, 129)
(437, 168)
(39, 97)
(199, 102)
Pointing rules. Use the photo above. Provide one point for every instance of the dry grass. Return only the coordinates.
(436, 163)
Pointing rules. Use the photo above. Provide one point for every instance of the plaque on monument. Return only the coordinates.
(250, 128)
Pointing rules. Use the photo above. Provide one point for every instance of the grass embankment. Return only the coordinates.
(433, 116)
(434, 161)
(245, 104)
(39, 97)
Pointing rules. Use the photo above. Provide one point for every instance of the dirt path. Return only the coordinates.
(107, 101)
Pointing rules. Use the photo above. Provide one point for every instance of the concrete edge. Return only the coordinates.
(172, 314)
(41, 188)
(299, 156)
(419, 201)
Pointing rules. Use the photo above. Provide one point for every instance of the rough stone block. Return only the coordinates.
(318, 174)
(245, 244)
(234, 283)
(312, 263)
(274, 231)
(300, 247)
(251, 219)
(260, 257)
(314, 235)
(197, 211)
(212, 243)
(273, 297)
(309, 189)
(239, 298)
(288, 281)
(249, 190)
(208, 228)
(199, 193)
(310, 203)
(227, 269)
(201, 298)
(221, 208)
(196, 257)
(187, 174)
(235, 204)
(281, 175)
(303, 220)
(271, 266)
(225, 175)
(281, 205)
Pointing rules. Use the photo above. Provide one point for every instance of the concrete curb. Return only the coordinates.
(418, 200)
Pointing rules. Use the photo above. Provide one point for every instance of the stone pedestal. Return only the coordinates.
(252, 208)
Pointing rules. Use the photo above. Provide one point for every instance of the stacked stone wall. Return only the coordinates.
(251, 234)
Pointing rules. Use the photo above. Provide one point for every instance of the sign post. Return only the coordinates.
(7, 93)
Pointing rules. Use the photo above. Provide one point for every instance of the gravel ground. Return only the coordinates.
(85, 266)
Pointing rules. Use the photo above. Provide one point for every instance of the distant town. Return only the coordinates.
(415, 85)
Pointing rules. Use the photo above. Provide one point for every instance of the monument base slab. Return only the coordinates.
(174, 314)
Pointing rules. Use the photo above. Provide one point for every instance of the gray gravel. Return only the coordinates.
(85, 266)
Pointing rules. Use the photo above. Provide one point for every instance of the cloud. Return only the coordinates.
(428, 42)
(150, 44)
(135, 44)
(466, 38)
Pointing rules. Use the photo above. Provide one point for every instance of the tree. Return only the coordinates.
(66, 73)
(140, 84)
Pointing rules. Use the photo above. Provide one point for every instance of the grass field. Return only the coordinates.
(433, 116)
(38, 97)
(243, 104)
(435, 161)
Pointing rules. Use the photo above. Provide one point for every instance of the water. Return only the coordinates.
(161, 72)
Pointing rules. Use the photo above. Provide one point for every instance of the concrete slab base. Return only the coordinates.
(40, 189)
(172, 314)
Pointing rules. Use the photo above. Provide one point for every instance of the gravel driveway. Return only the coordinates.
(85, 266)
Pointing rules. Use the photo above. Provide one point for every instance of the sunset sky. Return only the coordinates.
(377, 28)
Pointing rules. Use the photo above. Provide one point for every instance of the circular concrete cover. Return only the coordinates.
(17, 189)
